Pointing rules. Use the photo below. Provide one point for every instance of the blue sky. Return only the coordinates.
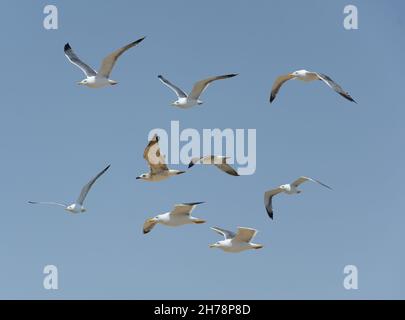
(55, 135)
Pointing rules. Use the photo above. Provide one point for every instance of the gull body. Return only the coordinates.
(288, 188)
(98, 79)
(159, 176)
(96, 82)
(77, 206)
(184, 100)
(156, 161)
(236, 242)
(180, 215)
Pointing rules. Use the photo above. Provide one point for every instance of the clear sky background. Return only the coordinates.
(55, 135)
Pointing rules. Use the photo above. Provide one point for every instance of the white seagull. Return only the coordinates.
(307, 76)
(98, 79)
(186, 101)
(236, 242)
(156, 161)
(218, 161)
(180, 215)
(290, 188)
(77, 207)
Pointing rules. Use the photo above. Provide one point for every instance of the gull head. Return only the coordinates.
(144, 176)
(83, 82)
(175, 103)
(112, 82)
(285, 188)
(215, 245)
(71, 208)
(299, 73)
(199, 102)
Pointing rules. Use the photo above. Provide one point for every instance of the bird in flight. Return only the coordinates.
(180, 215)
(101, 78)
(289, 188)
(218, 161)
(77, 206)
(307, 76)
(187, 101)
(236, 242)
(156, 161)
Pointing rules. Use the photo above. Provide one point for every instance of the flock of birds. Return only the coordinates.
(158, 169)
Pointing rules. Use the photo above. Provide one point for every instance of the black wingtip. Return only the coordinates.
(181, 172)
(191, 164)
(272, 97)
(140, 40)
(232, 75)
(194, 203)
(270, 213)
(67, 47)
(160, 76)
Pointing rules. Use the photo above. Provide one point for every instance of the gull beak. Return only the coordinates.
(80, 83)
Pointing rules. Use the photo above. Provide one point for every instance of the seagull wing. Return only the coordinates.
(180, 93)
(184, 208)
(50, 203)
(227, 168)
(194, 161)
(109, 61)
(245, 234)
(152, 155)
(201, 85)
(148, 225)
(87, 187)
(303, 179)
(332, 84)
(268, 199)
(277, 85)
(225, 233)
(73, 58)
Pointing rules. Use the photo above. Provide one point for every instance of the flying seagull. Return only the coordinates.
(98, 79)
(180, 215)
(236, 242)
(307, 76)
(290, 188)
(156, 161)
(218, 161)
(77, 207)
(187, 101)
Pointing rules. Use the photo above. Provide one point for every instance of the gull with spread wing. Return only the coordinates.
(180, 215)
(187, 101)
(218, 161)
(236, 242)
(101, 78)
(308, 76)
(77, 207)
(289, 188)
